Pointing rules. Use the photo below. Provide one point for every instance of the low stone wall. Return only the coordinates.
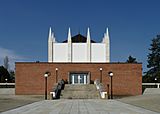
(6, 91)
(151, 91)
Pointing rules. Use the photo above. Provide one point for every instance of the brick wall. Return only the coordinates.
(127, 79)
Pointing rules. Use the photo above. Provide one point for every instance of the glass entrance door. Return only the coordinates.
(79, 78)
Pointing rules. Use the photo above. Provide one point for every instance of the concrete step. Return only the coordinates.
(80, 87)
(79, 95)
(87, 91)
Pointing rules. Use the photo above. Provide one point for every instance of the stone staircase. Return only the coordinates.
(87, 91)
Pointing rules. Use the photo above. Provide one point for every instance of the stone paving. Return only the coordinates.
(86, 106)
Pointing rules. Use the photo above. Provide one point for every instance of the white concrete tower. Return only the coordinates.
(69, 46)
(88, 46)
(107, 42)
(50, 46)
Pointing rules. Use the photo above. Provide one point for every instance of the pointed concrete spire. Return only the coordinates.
(50, 34)
(50, 46)
(69, 46)
(69, 35)
(88, 36)
(88, 46)
(106, 36)
(107, 33)
(50, 31)
(107, 42)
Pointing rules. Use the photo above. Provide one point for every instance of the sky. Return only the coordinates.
(24, 26)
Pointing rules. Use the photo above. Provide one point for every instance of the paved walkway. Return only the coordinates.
(79, 107)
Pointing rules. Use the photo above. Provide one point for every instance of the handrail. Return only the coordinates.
(58, 88)
(100, 88)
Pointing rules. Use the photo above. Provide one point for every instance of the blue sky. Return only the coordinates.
(24, 26)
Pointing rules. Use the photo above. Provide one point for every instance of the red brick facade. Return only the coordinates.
(127, 79)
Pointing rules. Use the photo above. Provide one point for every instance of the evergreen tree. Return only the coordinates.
(4, 74)
(154, 58)
(131, 60)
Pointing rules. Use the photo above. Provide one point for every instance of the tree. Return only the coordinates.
(12, 75)
(131, 60)
(4, 74)
(6, 62)
(154, 59)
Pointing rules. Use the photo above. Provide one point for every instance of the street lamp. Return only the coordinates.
(108, 91)
(6, 82)
(155, 80)
(46, 76)
(111, 75)
(100, 74)
(56, 74)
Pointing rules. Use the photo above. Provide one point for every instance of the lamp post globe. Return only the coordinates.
(45, 75)
(110, 73)
(155, 79)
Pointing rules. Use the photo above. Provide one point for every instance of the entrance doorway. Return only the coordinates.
(78, 78)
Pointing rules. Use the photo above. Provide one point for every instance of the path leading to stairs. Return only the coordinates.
(86, 106)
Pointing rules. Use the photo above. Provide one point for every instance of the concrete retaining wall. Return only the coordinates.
(152, 91)
(4, 91)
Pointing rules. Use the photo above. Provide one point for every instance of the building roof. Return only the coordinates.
(79, 39)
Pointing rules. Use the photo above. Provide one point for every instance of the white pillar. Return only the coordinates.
(107, 42)
(88, 46)
(69, 46)
(85, 79)
(79, 79)
(50, 46)
(72, 79)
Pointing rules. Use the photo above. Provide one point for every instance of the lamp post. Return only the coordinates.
(46, 76)
(56, 74)
(6, 82)
(155, 80)
(100, 74)
(111, 75)
(108, 91)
